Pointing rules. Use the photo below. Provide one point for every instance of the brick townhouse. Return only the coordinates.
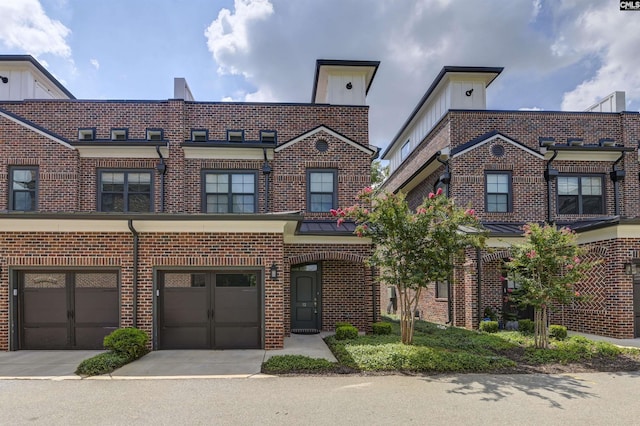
(205, 224)
(575, 169)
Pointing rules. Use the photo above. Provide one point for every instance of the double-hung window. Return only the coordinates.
(23, 188)
(498, 192)
(580, 195)
(125, 191)
(321, 190)
(229, 192)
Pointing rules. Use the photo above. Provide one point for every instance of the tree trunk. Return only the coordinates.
(541, 334)
(408, 305)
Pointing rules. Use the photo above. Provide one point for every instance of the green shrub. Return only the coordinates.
(346, 332)
(381, 328)
(558, 332)
(128, 342)
(526, 326)
(342, 324)
(296, 363)
(489, 326)
(101, 364)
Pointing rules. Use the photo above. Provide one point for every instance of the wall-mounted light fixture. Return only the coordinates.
(469, 92)
(349, 86)
(4, 79)
(273, 271)
(631, 268)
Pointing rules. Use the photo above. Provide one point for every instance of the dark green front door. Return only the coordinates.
(636, 305)
(305, 299)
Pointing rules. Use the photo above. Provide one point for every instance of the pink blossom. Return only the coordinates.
(359, 233)
(577, 294)
(439, 191)
(340, 221)
(470, 212)
(576, 259)
(333, 212)
(570, 266)
(367, 190)
(365, 227)
(431, 195)
(365, 211)
(531, 254)
(421, 210)
(503, 278)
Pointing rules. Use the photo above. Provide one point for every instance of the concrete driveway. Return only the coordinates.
(169, 364)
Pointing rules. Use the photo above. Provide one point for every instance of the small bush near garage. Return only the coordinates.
(489, 326)
(558, 332)
(342, 324)
(346, 332)
(124, 345)
(129, 342)
(526, 326)
(296, 364)
(381, 328)
(101, 364)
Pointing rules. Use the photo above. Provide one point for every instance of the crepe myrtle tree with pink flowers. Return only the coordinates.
(547, 265)
(412, 248)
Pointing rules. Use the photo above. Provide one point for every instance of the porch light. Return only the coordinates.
(273, 271)
(631, 268)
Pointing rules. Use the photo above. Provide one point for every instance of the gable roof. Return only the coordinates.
(488, 137)
(35, 128)
(329, 131)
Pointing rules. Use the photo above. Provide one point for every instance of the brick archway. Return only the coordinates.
(325, 255)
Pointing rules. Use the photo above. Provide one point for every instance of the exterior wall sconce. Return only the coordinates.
(630, 268)
(4, 79)
(273, 271)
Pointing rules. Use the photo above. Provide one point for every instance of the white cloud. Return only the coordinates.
(24, 25)
(94, 62)
(228, 34)
(535, 108)
(610, 36)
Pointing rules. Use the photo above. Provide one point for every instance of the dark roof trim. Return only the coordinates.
(43, 70)
(40, 129)
(131, 142)
(225, 144)
(417, 172)
(439, 77)
(596, 148)
(343, 63)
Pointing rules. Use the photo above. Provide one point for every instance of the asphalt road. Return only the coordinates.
(593, 399)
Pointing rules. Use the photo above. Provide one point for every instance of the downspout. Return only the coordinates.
(374, 294)
(162, 169)
(616, 176)
(549, 175)
(446, 179)
(135, 272)
(479, 284)
(266, 171)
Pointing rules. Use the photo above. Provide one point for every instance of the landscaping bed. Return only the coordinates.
(437, 349)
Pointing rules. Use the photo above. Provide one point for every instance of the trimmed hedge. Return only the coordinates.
(345, 332)
(101, 364)
(381, 328)
(558, 332)
(489, 326)
(526, 326)
(128, 342)
(296, 363)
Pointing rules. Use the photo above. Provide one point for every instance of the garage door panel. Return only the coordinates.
(186, 337)
(236, 305)
(45, 306)
(49, 337)
(237, 337)
(92, 337)
(97, 306)
(183, 306)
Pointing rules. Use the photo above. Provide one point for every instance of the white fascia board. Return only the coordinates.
(144, 226)
(36, 130)
(121, 151)
(578, 155)
(503, 138)
(329, 132)
(224, 153)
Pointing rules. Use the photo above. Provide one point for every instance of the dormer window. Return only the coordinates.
(267, 136)
(607, 142)
(199, 135)
(235, 135)
(575, 142)
(154, 135)
(118, 134)
(86, 134)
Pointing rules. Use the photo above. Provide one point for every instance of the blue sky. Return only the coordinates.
(557, 54)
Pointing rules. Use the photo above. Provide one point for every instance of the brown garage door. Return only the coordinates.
(67, 310)
(210, 310)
